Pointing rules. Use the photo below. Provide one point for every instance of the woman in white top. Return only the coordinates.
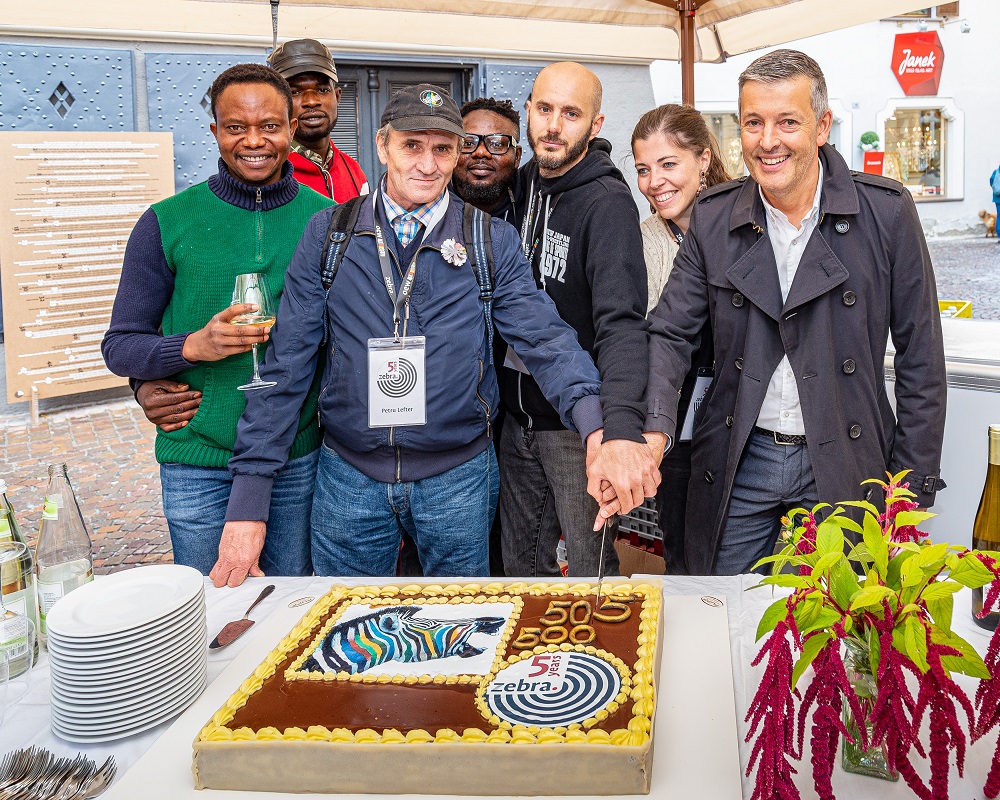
(676, 157)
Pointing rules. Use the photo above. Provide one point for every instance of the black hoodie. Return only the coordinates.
(581, 233)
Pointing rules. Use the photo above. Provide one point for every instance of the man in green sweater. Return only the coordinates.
(172, 318)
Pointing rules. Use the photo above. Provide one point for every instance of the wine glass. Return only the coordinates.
(251, 287)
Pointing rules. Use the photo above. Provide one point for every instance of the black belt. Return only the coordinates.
(781, 438)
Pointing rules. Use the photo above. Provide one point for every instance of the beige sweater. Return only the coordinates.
(658, 248)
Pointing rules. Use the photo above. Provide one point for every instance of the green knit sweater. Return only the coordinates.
(207, 242)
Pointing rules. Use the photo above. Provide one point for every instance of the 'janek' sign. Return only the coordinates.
(916, 62)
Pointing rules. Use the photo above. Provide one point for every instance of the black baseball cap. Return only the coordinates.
(302, 55)
(423, 108)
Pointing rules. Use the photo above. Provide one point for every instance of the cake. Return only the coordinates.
(503, 688)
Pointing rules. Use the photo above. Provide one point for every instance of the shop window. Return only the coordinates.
(916, 147)
(726, 127)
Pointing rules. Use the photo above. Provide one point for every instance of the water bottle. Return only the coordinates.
(63, 559)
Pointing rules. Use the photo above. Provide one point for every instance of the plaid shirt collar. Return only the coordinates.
(406, 224)
(313, 156)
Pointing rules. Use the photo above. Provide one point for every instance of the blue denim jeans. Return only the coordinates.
(770, 479)
(358, 522)
(194, 503)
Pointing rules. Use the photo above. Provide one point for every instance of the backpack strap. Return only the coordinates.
(338, 234)
(342, 222)
(476, 232)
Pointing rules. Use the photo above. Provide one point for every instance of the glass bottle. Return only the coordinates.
(17, 578)
(63, 559)
(986, 529)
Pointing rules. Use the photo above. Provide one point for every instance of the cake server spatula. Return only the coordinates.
(232, 631)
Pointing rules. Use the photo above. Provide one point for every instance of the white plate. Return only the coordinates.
(127, 709)
(70, 654)
(120, 688)
(191, 645)
(124, 600)
(72, 735)
(142, 694)
(193, 608)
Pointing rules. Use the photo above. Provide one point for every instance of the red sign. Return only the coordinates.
(916, 62)
(873, 161)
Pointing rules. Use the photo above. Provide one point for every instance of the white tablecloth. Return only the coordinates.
(28, 722)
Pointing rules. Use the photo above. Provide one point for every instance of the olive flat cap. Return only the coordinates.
(302, 55)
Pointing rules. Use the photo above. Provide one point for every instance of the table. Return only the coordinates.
(27, 723)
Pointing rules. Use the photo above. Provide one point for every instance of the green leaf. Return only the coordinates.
(911, 574)
(871, 596)
(826, 562)
(810, 649)
(939, 589)
(931, 557)
(894, 568)
(788, 581)
(941, 611)
(826, 618)
(914, 642)
(876, 545)
(829, 538)
(862, 504)
(912, 517)
(843, 584)
(970, 571)
(969, 663)
(776, 612)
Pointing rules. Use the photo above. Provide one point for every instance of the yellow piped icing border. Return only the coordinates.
(636, 733)
(295, 673)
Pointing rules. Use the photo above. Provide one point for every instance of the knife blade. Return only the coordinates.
(232, 631)
(601, 566)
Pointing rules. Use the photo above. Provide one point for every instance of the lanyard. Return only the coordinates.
(678, 234)
(403, 298)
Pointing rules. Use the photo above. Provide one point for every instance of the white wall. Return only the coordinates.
(856, 63)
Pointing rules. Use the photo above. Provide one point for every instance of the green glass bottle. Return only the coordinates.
(17, 578)
(986, 530)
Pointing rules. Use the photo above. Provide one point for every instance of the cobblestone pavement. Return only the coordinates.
(968, 269)
(108, 451)
(109, 448)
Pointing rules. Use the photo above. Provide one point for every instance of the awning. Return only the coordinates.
(624, 31)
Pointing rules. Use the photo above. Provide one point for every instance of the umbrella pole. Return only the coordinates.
(686, 9)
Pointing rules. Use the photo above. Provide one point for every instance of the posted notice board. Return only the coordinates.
(68, 202)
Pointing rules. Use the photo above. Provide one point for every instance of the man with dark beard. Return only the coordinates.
(309, 69)
(580, 231)
(487, 167)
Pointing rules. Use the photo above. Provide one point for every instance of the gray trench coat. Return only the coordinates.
(865, 274)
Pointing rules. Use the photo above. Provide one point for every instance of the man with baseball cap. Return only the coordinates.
(408, 387)
(309, 69)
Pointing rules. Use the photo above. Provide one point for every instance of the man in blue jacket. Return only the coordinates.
(408, 387)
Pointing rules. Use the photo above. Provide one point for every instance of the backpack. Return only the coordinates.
(995, 182)
(475, 230)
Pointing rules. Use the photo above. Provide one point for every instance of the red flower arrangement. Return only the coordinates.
(895, 621)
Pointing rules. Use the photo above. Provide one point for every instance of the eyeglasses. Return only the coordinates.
(496, 143)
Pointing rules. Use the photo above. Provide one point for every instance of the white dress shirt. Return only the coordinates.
(781, 410)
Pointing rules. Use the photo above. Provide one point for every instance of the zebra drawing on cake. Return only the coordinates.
(396, 634)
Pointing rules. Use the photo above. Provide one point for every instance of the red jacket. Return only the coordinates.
(344, 180)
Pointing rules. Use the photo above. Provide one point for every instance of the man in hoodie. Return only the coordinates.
(580, 231)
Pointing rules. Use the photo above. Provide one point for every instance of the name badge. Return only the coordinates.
(397, 387)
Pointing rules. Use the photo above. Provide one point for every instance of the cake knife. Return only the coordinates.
(232, 631)
(600, 567)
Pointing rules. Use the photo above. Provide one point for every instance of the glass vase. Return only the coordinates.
(872, 762)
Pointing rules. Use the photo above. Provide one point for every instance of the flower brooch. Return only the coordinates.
(454, 252)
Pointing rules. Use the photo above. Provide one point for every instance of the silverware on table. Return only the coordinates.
(34, 773)
(232, 631)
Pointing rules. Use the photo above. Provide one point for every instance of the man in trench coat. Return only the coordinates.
(798, 410)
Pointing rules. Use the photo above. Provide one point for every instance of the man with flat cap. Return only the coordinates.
(309, 69)
(408, 385)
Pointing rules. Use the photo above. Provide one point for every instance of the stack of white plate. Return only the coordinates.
(127, 652)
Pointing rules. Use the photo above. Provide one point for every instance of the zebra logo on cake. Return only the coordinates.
(396, 634)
